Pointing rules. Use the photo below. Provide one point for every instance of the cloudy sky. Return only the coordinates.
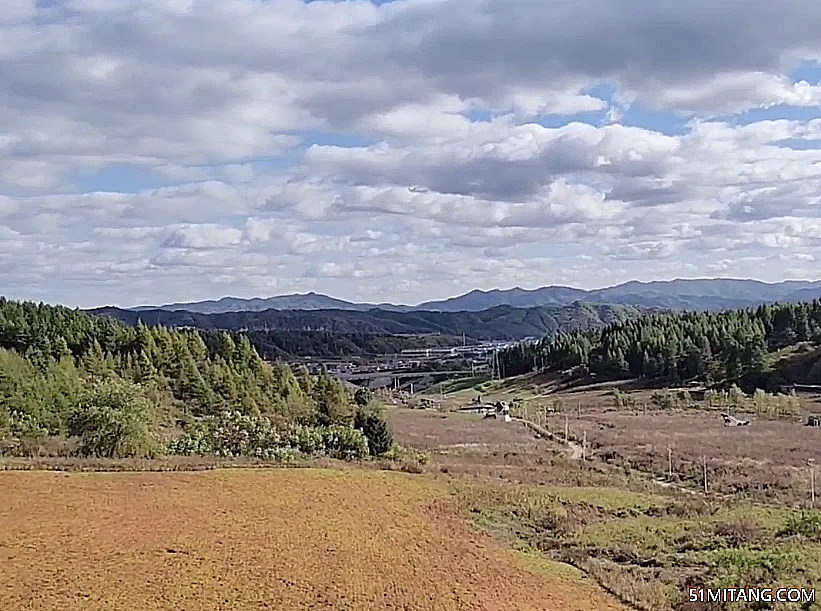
(176, 150)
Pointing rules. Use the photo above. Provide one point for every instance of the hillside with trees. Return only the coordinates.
(75, 384)
(273, 345)
(500, 323)
(762, 347)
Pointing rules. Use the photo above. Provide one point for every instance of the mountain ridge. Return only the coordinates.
(498, 323)
(710, 294)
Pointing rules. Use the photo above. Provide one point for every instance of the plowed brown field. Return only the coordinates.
(257, 539)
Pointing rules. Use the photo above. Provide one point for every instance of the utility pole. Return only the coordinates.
(704, 463)
(584, 446)
(811, 463)
(566, 431)
(670, 462)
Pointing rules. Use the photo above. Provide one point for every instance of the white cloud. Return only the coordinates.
(155, 151)
(204, 237)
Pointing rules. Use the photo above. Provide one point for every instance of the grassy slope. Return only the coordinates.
(647, 549)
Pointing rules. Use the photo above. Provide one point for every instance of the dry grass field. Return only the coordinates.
(643, 541)
(285, 539)
(766, 461)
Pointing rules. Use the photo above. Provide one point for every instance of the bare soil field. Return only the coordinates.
(255, 539)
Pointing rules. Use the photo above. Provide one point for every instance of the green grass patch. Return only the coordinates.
(648, 549)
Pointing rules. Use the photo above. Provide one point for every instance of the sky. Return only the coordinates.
(156, 151)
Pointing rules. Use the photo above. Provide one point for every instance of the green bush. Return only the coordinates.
(199, 441)
(752, 568)
(307, 439)
(362, 397)
(26, 426)
(806, 524)
(378, 433)
(231, 434)
(409, 459)
(234, 434)
(344, 442)
(112, 421)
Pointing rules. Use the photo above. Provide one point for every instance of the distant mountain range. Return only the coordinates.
(498, 323)
(707, 294)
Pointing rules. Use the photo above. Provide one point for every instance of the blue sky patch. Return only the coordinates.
(123, 178)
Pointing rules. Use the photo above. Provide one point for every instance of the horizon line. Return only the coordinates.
(484, 291)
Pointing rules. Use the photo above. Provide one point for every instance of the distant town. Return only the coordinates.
(415, 369)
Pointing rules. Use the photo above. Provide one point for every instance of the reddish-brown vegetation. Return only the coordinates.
(256, 539)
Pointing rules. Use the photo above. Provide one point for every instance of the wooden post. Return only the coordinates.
(584, 446)
(579, 409)
(812, 485)
(566, 431)
(670, 462)
(645, 408)
(704, 463)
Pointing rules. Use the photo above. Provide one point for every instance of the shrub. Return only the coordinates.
(344, 442)
(362, 397)
(307, 439)
(112, 421)
(230, 434)
(26, 426)
(665, 399)
(806, 524)
(235, 434)
(623, 399)
(751, 568)
(197, 442)
(378, 433)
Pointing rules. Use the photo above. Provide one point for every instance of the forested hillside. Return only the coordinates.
(75, 383)
(273, 345)
(501, 323)
(730, 346)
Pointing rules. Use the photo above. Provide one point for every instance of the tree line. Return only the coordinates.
(100, 387)
(723, 347)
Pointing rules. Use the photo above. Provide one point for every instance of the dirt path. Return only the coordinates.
(257, 539)
(574, 449)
